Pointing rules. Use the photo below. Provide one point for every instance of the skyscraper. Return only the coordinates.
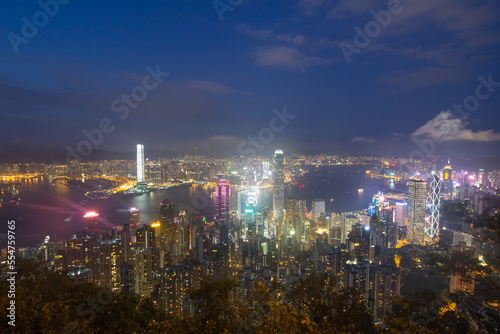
(318, 207)
(447, 179)
(250, 220)
(295, 217)
(222, 208)
(417, 196)
(91, 221)
(434, 201)
(169, 226)
(265, 170)
(167, 213)
(134, 216)
(400, 214)
(278, 184)
(140, 163)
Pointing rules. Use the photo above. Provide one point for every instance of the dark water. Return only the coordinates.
(338, 186)
(45, 205)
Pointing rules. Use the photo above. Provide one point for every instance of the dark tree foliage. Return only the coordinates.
(50, 302)
(332, 311)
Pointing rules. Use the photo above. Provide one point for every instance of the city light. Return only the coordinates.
(298, 190)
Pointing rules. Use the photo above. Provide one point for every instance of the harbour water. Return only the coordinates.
(52, 208)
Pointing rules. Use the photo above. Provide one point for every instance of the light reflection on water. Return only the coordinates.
(45, 204)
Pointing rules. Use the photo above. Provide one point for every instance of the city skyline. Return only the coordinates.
(250, 166)
(391, 98)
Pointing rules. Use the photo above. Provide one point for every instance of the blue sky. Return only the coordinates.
(227, 76)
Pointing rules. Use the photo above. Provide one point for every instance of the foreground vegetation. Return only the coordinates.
(49, 302)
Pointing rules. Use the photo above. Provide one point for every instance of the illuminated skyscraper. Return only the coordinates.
(417, 196)
(140, 163)
(91, 221)
(222, 209)
(295, 218)
(250, 220)
(318, 207)
(134, 216)
(222, 203)
(447, 179)
(400, 214)
(265, 170)
(169, 226)
(167, 213)
(434, 201)
(278, 184)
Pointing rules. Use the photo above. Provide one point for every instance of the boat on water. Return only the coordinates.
(131, 194)
(15, 201)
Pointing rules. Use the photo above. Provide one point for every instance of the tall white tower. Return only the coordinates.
(434, 202)
(140, 163)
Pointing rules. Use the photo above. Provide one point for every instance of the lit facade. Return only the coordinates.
(278, 184)
(134, 216)
(417, 197)
(140, 163)
(447, 179)
(91, 221)
(318, 207)
(222, 207)
(400, 213)
(434, 202)
(265, 170)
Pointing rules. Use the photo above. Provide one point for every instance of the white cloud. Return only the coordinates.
(362, 140)
(284, 57)
(256, 33)
(446, 127)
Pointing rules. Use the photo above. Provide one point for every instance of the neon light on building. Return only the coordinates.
(140, 163)
(434, 202)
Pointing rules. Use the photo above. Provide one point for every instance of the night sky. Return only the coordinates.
(227, 76)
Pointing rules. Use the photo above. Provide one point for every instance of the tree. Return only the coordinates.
(214, 312)
(333, 311)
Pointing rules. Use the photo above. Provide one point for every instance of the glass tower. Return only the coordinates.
(140, 163)
(222, 203)
(434, 202)
(278, 184)
(417, 197)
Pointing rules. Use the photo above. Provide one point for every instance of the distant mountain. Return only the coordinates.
(58, 156)
(488, 164)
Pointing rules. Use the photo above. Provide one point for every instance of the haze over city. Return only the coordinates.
(372, 95)
(250, 166)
